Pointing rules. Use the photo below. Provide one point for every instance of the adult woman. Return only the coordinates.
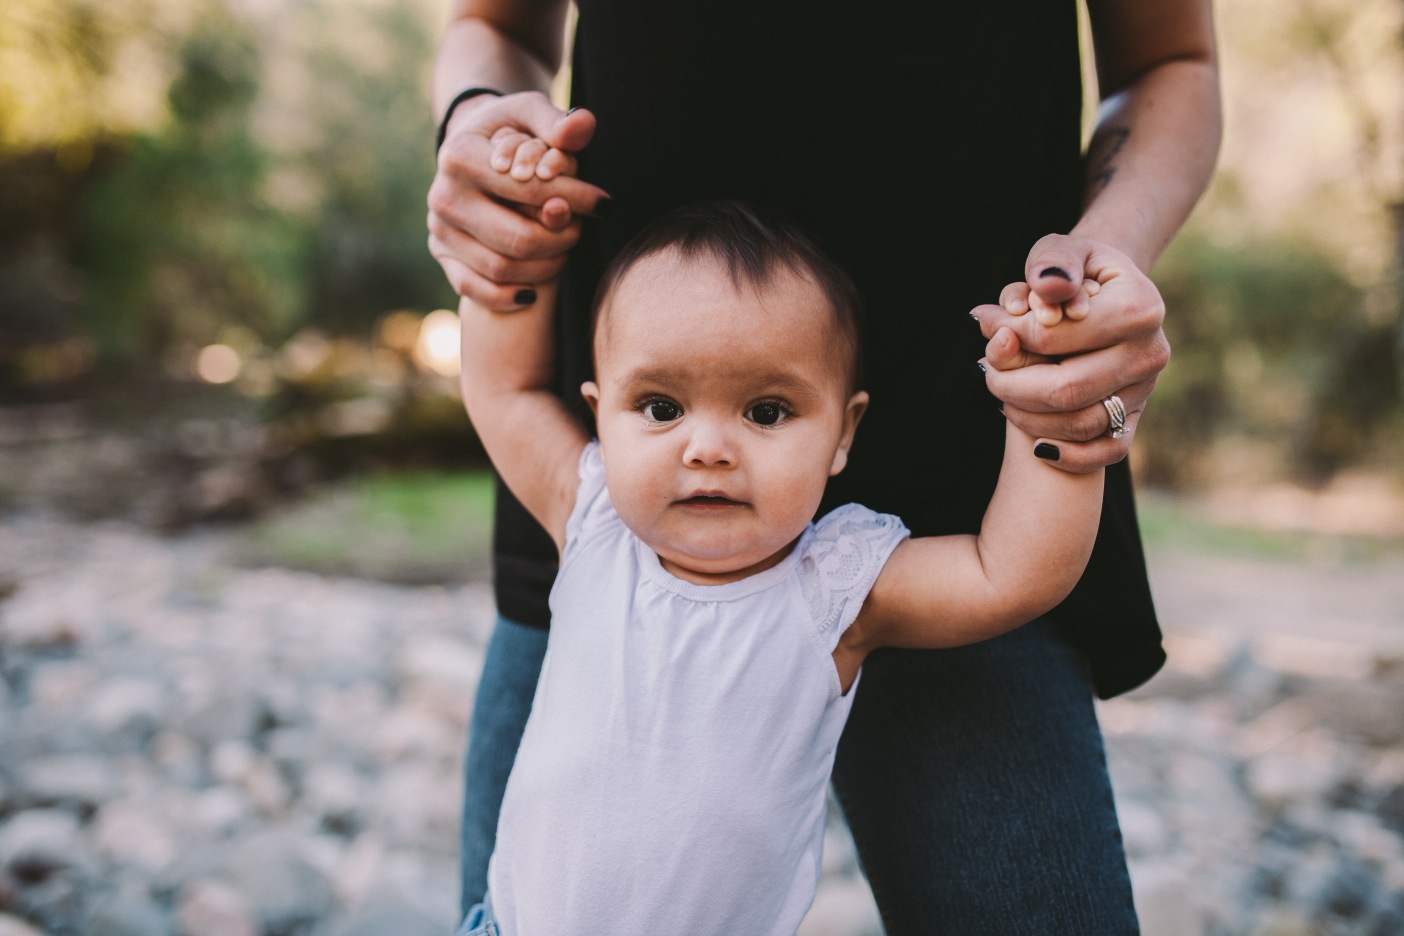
(927, 146)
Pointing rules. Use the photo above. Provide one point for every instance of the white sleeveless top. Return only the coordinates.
(672, 776)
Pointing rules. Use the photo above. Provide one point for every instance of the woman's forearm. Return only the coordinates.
(1151, 158)
(504, 45)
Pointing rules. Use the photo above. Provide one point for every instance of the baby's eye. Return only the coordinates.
(662, 410)
(766, 414)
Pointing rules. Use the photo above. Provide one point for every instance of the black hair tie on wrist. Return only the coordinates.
(458, 99)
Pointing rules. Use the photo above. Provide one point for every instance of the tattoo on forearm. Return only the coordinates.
(1101, 159)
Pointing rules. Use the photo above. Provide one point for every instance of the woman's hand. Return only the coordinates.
(497, 230)
(1053, 379)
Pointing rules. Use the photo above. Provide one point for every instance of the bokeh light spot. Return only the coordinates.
(218, 364)
(437, 348)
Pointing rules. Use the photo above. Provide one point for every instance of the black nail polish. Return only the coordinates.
(974, 316)
(981, 365)
(573, 110)
(1056, 271)
(603, 207)
(1047, 451)
(525, 296)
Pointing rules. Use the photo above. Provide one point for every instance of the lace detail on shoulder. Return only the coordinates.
(842, 558)
(592, 503)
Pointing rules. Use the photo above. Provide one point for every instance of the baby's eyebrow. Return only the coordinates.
(786, 385)
(779, 383)
(647, 378)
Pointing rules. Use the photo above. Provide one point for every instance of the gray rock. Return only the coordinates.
(275, 872)
(71, 780)
(40, 840)
(137, 834)
(1142, 829)
(127, 913)
(211, 907)
(14, 926)
(127, 713)
(1372, 711)
(1165, 900)
(379, 917)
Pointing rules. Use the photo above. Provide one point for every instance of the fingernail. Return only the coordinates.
(1047, 451)
(974, 316)
(981, 365)
(525, 296)
(1056, 271)
(572, 110)
(603, 207)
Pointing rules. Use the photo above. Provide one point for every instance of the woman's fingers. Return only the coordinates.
(1082, 457)
(1003, 352)
(1082, 425)
(502, 228)
(469, 283)
(1074, 383)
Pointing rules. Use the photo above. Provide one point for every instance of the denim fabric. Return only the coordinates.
(974, 780)
(975, 783)
(478, 921)
(505, 690)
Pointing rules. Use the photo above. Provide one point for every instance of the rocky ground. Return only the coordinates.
(191, 746)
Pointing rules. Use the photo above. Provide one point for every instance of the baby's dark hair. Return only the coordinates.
(754, 244)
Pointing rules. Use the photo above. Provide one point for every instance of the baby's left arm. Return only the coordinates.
(1033, 545)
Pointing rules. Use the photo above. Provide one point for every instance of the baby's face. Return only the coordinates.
(721, 413)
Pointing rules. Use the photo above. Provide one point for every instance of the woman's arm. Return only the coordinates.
(1150, 159)
(1158, 126)
(496, 237)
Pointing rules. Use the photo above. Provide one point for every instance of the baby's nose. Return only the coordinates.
(709, 445)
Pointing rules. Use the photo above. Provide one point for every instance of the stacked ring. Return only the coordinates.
(1116, 414)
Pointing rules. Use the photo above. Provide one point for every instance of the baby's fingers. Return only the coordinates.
(527, 157)
(505, 142)
(556, 162)
(1015, 298)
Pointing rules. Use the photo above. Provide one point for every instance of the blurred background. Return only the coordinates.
(244, 521)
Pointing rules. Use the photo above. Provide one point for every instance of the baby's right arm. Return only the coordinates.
(533, 440)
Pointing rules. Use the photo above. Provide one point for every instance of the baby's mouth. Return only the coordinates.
(709, 500)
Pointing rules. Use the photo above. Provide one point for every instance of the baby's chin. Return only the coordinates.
(720, 569)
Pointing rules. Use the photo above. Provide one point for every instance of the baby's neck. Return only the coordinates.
(696, 577)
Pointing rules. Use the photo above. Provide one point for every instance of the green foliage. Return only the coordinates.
(269, 206)
(372, 159)
(1273, 346)
(415, 528)
(179, 240)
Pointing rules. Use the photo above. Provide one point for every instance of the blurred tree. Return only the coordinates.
(370, 156)
(179, 239)
(1283, 292)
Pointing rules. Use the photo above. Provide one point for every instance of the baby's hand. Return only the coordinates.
(523, 157)
(1020, 298)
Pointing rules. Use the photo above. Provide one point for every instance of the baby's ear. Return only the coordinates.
(591, 392)
(852, 413)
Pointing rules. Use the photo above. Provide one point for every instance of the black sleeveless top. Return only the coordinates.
(926, 146)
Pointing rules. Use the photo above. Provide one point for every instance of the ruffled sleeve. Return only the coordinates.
(592, 504)
(840, 561)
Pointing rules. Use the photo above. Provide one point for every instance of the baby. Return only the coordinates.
(707, 632)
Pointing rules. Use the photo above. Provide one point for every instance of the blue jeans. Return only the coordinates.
(974, 781)
(479, 921)
(510, 668)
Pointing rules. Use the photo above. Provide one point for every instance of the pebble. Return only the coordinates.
(194, 748)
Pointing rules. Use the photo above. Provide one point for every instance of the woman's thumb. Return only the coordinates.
(1055, 268)
(571, 131)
